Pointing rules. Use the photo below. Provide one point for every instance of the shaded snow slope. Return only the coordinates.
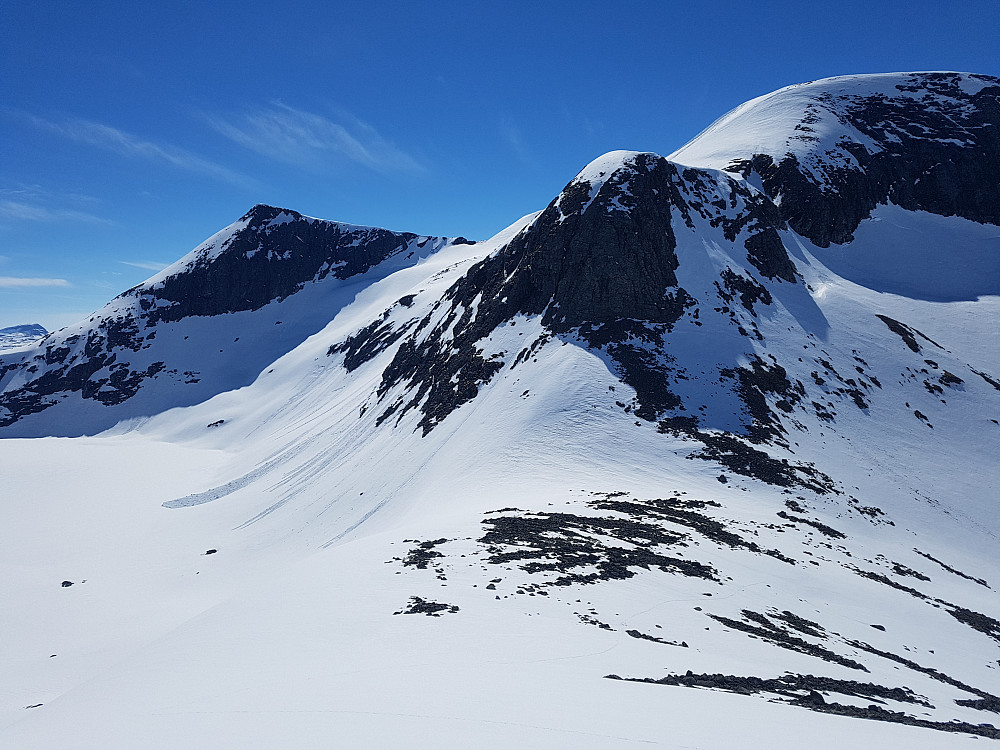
(920, 255)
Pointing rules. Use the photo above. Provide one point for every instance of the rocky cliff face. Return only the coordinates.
(598, 266)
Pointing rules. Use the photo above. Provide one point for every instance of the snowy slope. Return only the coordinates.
(645, 469)
(812, 119)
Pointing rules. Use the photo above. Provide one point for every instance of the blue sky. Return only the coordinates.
(129, 132)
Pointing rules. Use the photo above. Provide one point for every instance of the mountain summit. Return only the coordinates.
(710, 434)
(830, 151)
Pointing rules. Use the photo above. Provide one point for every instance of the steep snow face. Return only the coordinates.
(207, 324)
(920, 255)
(829, 151)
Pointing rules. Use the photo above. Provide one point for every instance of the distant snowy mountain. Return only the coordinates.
(18, 336)
(713, 435)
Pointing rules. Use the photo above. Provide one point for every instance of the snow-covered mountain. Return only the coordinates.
(838, 153)
(709, 435)
(275, 276)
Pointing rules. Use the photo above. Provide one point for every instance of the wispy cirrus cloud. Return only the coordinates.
(21, 281)
(13, 210)
(145, 265)
(306, 139)
(511, 135)
(106, 137)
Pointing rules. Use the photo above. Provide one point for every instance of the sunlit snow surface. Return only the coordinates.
(276, 567)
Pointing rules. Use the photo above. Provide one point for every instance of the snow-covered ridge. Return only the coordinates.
(829, 151)
(776, 123)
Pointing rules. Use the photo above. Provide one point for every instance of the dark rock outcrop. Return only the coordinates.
(271, 258)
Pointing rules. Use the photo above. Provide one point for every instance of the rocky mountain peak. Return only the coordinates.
(604, 250)
(260, 213)
(616, 262)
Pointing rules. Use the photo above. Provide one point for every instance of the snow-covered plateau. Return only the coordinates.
(704, 454)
